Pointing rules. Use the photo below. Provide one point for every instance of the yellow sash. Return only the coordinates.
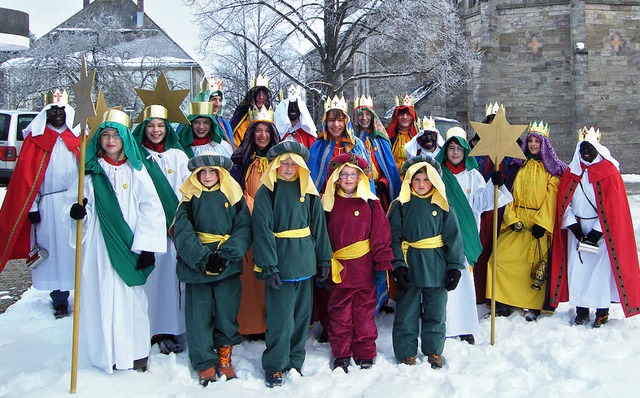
(293, 233)
(351, 252)
(426, 243)
(206, 238)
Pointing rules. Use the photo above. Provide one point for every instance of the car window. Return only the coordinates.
(5, 120)
(23, 122)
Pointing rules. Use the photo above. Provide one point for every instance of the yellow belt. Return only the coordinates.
(293, 233)
(426, 243)
(351, 252)
(206, 238)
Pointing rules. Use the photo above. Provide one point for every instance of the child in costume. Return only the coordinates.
(428, 256)
(290, 247)
(203, 134)
(361, 240)
(212, 232)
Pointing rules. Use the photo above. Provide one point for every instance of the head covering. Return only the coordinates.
(470, 162)
(337, 164)
(193, 187)
(171, 139)
(428, 124)
(119, 121)
(299, 153)
(552, 164)
(37, 125)
(377, 128)
(281, 117)
(393, 124)
(210, 88)
(347, 134)
(249, 101)
(246, 152)
(196, 110)
(434, 172)
(593, 137)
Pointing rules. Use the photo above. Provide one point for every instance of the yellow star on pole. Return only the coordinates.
(101, 107)
(498, 139)
(82, 91)
(163, 95)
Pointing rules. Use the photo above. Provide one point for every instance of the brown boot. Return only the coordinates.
(207, 376)
(225, 367)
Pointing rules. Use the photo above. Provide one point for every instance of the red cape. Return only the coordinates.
(615, 221)
(22, 190)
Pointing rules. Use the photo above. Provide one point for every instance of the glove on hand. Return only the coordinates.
(379, 278)
(79, 211)
(323, 274)
(496, 178)
(593, 237)
(215, 264)
(34, 217)
(537, 231)
(273, 281)
(146, 259)
(516, 226)
(453, 277)
(577, 231)
(401, 276)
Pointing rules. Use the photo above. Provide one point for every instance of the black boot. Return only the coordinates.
(602, 317)
(582, 316)
(342, 363)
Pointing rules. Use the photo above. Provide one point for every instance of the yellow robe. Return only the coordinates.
(534, 202)
(399, 153)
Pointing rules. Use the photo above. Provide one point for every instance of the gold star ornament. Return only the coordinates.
(498, 139)
(163, 95)
(82, 91)
(101, 107)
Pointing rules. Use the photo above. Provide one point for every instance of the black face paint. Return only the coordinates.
(588, 152)
(293, 111)
(427, 140)
(56, 116)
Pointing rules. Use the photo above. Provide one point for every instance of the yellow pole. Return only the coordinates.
(76, 293)
(493, 256)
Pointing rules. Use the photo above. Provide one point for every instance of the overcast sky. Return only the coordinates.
(171, 15)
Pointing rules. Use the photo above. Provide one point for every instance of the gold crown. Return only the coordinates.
(591, 134)
(336, 103)
(201, 108)
(366, 102)
(539, 128)
(56, 97)
(260, 115)
(406, 101)
(117, 116)
(456, 132)
(155, 111)
(260, 81)
(492, 109)
(215, 84)
(428, 123)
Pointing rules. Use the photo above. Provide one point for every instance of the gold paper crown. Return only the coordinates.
(336, 103)
(365, 102)
(428, 123)
(155, 111)
(117, 116)
(492, 109)
(201, 108)
(591, 134)
(456, 132)
(56, 97)
(260, 115)
(539, 128)
(215, 84)
(260, 81)
(406, 101)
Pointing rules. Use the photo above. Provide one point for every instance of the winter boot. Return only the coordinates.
(602, 317)
(531, 315)
(342, 363)
(582, 316)
(274, 379)
(409, 361)
(436, 361)
(324, 336)
(207, 376)
(61, 310)
(503, 309)
(364, 363)
(225, 367)
(140, 365)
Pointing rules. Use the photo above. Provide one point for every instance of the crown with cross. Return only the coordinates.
(336, 103)
(260, 81)
(56, 97)
(591, 134)
(364, 102)
(215, 84)
(408, 100)
(428, 123)
(293, 93)
(539, 127)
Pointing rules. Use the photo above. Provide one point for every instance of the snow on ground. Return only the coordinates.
(547, 358)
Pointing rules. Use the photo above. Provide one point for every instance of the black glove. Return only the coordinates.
(78, 211)
(453, 277)
(593, 237)
(537, 231)
(496, 178)
(516, 226)
(146, 260)
(34, 217)
(323, 274)
(401, 276)
(577, 231)
(215, 264)
(273, 281)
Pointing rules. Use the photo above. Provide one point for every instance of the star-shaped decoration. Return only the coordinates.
(101, 107)
(82, 91)
(163, 95)
(498, 139)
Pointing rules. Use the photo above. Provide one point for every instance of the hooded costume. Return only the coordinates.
(240, 119)
(214, 89)
(413, 147)
(304, 131)
(400, 138)
(216, 139)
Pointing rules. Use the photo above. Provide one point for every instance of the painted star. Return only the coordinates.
(498, 139)
(163, 95)
(82, 91)
(101, 107)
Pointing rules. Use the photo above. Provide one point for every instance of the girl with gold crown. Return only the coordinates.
(203, 134)
(124, 226)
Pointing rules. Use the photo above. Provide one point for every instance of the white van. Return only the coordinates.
(11, 125)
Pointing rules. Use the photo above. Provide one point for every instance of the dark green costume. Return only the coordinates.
(412, 221)
(296, 260)
(211, 302)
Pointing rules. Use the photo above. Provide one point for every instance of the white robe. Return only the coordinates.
(57, 271)
(164, 292)
(462, 312)
(591, 280)
(114, 325)
(223, 148)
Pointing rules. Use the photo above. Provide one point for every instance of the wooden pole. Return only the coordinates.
(493, 256)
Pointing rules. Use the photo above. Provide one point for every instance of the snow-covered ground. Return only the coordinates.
(548, 358)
